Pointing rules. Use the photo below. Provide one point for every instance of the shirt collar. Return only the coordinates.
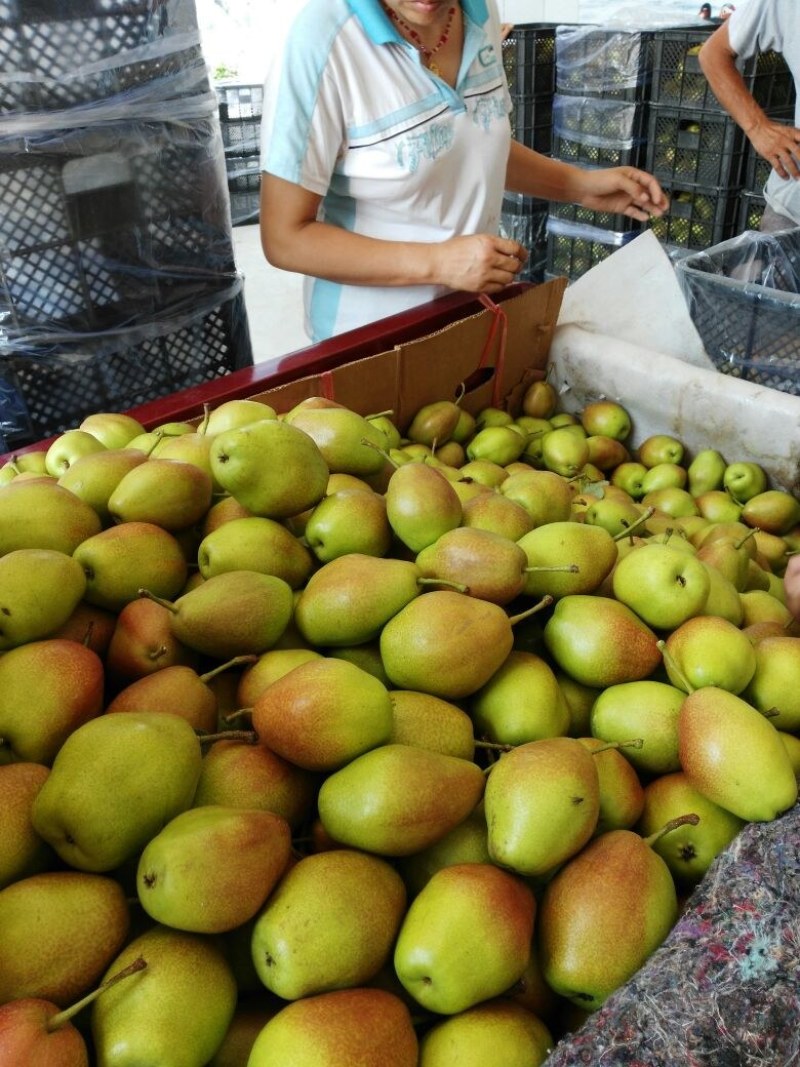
(379, 28)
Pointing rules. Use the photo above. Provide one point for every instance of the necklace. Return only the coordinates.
(426, 53)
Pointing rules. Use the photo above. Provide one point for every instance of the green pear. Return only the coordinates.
(67, 448)
(621, 792)
(471, 1038)
(48, 689)
(791, 742)
(491, 566)
(664, 476)
(466, 843)
(612, 513)
(169, 493)
(193, 448)
(349, 600)
(483, 471)
(123, 559)
(421, 505)
(497, 444)
(294, 476)
(115, 782)
(663, 586)
(600, 642)
(744, 480)
(113, 429)
(542, 804)
(22, 851)
(237, 774)
(521, 702)
(724, 599)
(606, 453)
(589, 549)
(773, 685)
(733, 755)
(606, 417)
(348, 1026)
(775, 511)
(323, 714)
(95, 476)
(564, 452)
(267, 668)
(760, 605)
(602, 915)
(40, 513)
(646, 710)
(717, 505)
(430, 722)
(434, 422)
(231, 414)
(175, 1012)
(672, 502)
(142, 643)
(235, 613)
(660, 448)
(496, 513)
(314, 935)
(235, 855)
(348, 521)
(729, 557)
(540, 399)
(397, 799)
(630, 477)
(709, 650)
(255, 544)
(706, 471)
(466, 937)
(58, 931)
(39, 590)
(690, 849)
(580, 699)
(384, 422)
(221, 511)
(340, 435)
(35, 1032)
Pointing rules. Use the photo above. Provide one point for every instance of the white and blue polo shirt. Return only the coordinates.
(351, 113)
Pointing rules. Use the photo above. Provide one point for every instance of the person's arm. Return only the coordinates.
(620, 190)
(778, 143)
(293, 239)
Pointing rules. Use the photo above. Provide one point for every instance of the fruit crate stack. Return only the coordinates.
(529, 61)
(117, 273)
(694, 148)
(240, 108)
(599, 120)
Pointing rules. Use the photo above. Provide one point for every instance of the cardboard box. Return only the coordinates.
(495, 354)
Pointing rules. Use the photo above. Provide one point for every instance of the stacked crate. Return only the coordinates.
(240, 108)
(529, 60)
(694, 148)
(117, 275)
(599, 120)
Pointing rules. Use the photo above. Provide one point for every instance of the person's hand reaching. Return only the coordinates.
(623, 191)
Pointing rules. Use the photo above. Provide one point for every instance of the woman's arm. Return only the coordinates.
(776, 142)
(620, 190)
(294, 240)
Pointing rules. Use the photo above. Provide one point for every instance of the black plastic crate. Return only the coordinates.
(678, 80)
(67, 378)
(597, 61)
(524, 219)
(106, 224)
(699, 148)
(698, 216)
(744, 298)
(244, 184)
(573, 249)
(58, 54)
(240, 109)
(589, 131)
(529, 58)
(532, 122)
(751, 211)
(601, 220)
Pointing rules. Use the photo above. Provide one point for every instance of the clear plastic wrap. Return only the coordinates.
(744, 298)
(602, 60)
(614, 124)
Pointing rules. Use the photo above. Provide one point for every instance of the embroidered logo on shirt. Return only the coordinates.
(488, 109)
(426, 144)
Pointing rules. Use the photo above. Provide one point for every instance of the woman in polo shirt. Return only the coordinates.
(386, 148)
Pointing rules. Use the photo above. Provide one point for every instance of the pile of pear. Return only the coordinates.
(326, 742)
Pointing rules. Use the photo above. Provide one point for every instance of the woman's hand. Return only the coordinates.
(477, 264)
(622, 191)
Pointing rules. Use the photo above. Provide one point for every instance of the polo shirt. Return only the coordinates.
(772, 25)
(352, 114)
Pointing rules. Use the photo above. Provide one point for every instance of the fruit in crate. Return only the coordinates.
(473, 703)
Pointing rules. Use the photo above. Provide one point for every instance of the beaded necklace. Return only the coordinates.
(426, 53)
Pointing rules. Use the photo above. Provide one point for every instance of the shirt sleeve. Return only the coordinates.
(757, 26)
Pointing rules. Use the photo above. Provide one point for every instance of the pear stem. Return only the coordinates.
(57, 1021)
(636, 742)
(237, 661)
(743, 541)
(568, 568)
(545, 602)
(673, 824)
(492, 746)
(201, 429)
(461, 392)
(249, 737)
(383, 452)
(771, 713)
(159, 437)
(459, 588)
(381, 415)
(635, 525)
(235, 716)
(671, 664)
(158, 600)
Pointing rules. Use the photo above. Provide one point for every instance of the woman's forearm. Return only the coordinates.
(718, 62)
(533, 174)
